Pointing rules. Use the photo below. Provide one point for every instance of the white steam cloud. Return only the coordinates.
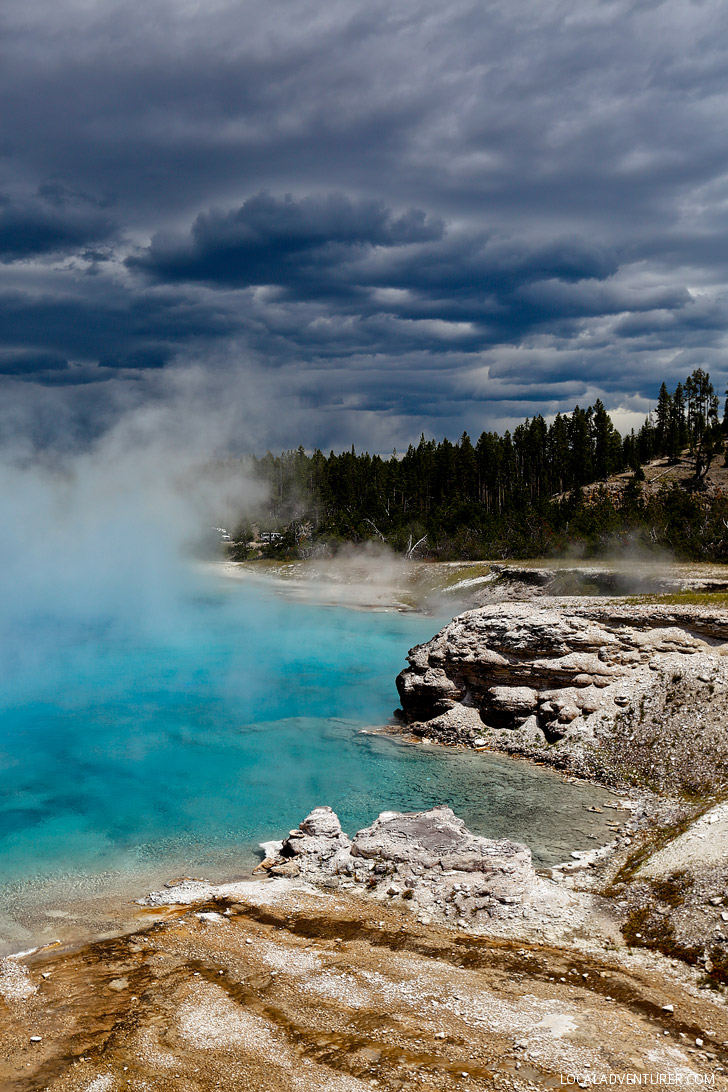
(105, 536)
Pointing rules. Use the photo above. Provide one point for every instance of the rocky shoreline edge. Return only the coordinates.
(626, 694)
(426, 862)
(634, 696)
(415, 951)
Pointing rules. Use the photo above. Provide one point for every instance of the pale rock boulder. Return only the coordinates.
(429, 859)
(457, 723)
(431, 690)
(317, 845)
(438, 839)
(514, 701)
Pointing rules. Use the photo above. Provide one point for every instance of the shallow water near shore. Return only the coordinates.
(133, 753)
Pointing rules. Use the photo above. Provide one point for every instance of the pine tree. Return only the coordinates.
(664, 417)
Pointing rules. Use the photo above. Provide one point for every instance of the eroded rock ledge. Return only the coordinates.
(429, 859)
(626, 693)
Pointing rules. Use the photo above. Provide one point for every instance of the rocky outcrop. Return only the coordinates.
(428, 858)
(315, 850)
(577, 684)
(517, 582)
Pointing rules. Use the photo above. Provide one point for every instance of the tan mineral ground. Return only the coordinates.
(303, 990)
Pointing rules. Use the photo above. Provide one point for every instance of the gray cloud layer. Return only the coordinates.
(362, 220)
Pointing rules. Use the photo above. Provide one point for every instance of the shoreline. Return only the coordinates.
(92, 917)
(279, 984)
(276, 985)
(368, 580)
(87, 918)
(126, 904)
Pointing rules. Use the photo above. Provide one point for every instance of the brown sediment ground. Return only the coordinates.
(302, 991)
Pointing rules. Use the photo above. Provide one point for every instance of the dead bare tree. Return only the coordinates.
(374, 526)
(410, 553)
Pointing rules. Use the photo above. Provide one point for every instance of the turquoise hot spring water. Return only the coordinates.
(136, 748)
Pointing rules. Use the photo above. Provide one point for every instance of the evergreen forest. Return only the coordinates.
(544, 489)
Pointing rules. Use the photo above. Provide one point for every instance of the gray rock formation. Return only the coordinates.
(429, 858)
(512, 582)
(317, 847)
(591, 678)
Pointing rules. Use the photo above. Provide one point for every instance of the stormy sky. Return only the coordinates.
(336, 222)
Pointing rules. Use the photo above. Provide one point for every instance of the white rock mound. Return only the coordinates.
(428, 857)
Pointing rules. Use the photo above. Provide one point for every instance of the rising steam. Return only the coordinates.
(104, 537)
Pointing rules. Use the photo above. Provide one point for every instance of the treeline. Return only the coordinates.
(686, 418)
(516, 494)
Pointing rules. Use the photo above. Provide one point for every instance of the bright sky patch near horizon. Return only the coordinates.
(327, 223)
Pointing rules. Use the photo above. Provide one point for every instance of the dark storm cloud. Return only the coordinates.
(276, 241)
(271, 241)
(349, 255)
(51, 221)
(491, 207)
(27, 362)
(152, 356)
(113, 328)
